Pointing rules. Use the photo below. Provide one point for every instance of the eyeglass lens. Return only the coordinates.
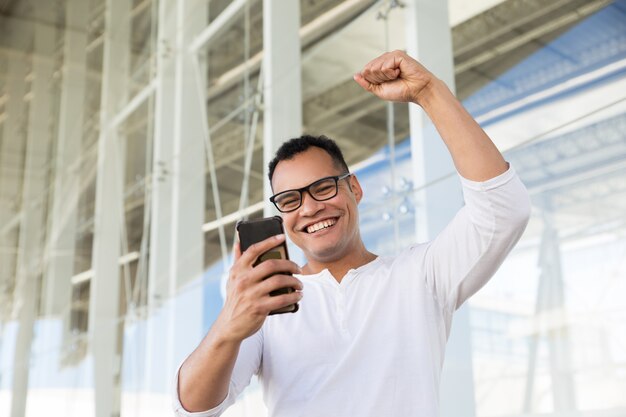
(320, 190)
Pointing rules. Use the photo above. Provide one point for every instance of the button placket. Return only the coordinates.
(341, 304)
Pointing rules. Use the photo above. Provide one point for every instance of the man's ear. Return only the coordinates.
(356, 188)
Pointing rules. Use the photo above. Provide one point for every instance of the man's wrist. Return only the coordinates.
(428, 95)
(222, 337)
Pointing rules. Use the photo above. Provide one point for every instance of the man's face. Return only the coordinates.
(338, 215)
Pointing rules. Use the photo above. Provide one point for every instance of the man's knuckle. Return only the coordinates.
(286, 282)
(275, 281)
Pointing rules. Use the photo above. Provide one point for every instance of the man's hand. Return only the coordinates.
(248, 302)
(395, 76)
(205, 375)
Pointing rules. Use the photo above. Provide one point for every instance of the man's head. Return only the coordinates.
(324, 227)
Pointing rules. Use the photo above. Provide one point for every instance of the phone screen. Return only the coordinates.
(276, 253)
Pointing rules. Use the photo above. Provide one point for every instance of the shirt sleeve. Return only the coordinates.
(248, 363)
(466, 254)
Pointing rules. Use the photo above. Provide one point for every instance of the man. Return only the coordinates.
(370, 334)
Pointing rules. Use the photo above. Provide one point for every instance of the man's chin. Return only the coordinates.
(325, 255)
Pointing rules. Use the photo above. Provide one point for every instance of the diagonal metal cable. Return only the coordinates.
(208, 147)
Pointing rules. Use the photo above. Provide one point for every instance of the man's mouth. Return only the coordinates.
(321, 225)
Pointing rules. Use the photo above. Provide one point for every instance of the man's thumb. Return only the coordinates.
(362, 81)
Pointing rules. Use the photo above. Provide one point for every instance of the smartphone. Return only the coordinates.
(254, 231)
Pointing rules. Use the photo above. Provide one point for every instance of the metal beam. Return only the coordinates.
(233, 217)
(32, 227)
(438, 203)
(528, 36)
(104, 300)
(282, 85)
(88, 274)
(311, 32)
(220, 24)
(133, 104)
(511, 16)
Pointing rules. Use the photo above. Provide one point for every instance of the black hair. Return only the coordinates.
(294, 146)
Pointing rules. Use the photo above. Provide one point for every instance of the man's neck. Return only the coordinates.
(339, 268)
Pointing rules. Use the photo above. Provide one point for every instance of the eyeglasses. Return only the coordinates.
(321, 190)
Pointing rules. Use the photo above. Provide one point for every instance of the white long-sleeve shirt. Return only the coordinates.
(373, 345)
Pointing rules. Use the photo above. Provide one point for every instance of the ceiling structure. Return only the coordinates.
(337, 37)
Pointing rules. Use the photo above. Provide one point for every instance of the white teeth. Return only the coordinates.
(320, 225)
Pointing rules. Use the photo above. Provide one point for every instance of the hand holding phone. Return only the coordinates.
(254, 231)
(248, 301)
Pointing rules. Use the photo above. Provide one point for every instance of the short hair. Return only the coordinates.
(292, 147)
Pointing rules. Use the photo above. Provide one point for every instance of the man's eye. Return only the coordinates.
(288, 201)
(324, 189)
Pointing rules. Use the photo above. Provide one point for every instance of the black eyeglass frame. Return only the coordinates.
(301, 191)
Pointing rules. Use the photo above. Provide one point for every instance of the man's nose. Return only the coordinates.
(310, 206)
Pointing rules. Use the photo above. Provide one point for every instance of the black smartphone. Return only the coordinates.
(254, 231)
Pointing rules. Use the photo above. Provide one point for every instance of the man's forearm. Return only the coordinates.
(204, 377)
(474, 154)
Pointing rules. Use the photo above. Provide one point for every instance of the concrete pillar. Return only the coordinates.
(32, 225)
(61, 236)
(282, 85)
(178, 188)
(104, 303)
(161, 193)
(426, 21)
(12, 151)
(551, 305)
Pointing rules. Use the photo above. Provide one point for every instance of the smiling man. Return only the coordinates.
(322, 219)
(370, 335)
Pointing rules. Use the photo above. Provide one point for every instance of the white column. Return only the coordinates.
(32, 225)
(282, 85)
(189, 155)
(11, 166)
(161, 190)
(61, 236)
(11, 158)
(551, 304)
(178, 189)
(561, 372)
(104, 320)
(429, 40)
(163, 155)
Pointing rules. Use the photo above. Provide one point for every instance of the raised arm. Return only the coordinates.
(206, 375)
(395, 76)
(463, 257)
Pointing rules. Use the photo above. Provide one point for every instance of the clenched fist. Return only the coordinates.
(395, 76)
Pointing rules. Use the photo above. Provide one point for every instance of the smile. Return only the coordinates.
(324, 224)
